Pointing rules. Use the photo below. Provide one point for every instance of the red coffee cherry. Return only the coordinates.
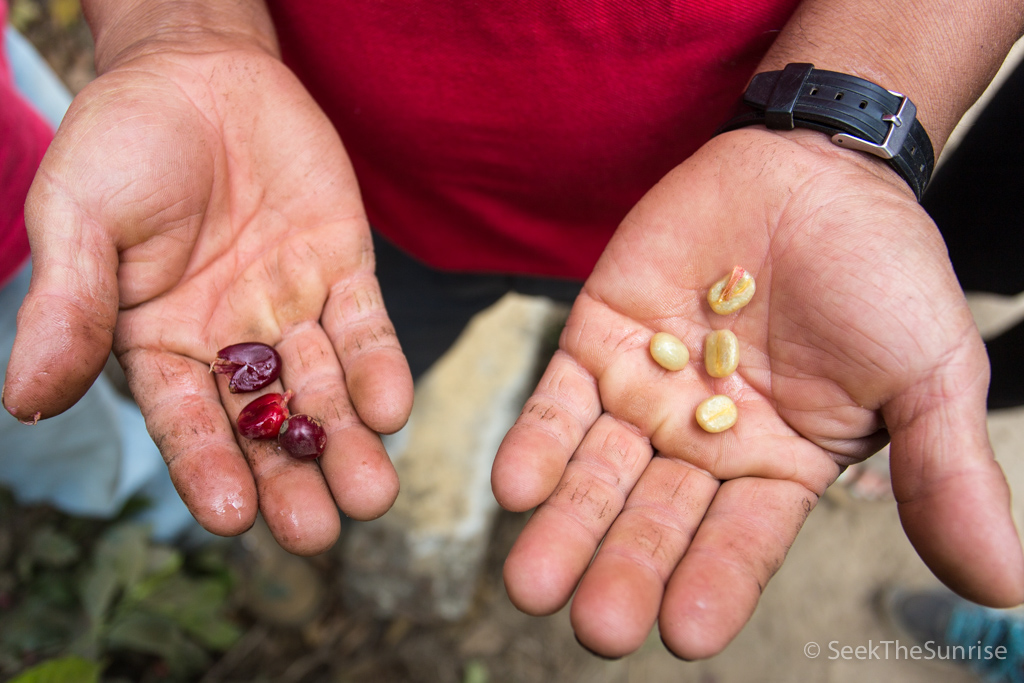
(252, 366)
(303, 437)
(263, 417)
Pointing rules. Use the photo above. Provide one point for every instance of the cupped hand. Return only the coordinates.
(191, 200)
(857, 332)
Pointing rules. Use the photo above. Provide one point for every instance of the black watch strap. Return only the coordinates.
(856, 113)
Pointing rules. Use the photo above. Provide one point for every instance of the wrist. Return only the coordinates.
(124, 31)
(939, 54)
(854, 113)
(817, 154)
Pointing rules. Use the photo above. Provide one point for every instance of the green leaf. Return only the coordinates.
(55, 586)
(63, 670)
(211, 560)
(23, 567)
(123, 549)
(156, 635)
(163, 560)
(197, 606)
(53, 549)
(35, 625)
(97, 589)
(86, 644)
(119, 563)
(162, 563)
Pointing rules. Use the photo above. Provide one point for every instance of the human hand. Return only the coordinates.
(858, 332)
(195, 198)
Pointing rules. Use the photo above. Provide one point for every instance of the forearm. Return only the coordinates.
(126, 29)
(941, 54)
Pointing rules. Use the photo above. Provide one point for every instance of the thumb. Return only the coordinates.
(66, 322)
(953, 499)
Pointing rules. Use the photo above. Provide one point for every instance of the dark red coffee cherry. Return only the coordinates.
(303, 437)
(263, 417)
(252, 366)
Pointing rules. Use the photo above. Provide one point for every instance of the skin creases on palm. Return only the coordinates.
(223, 200)
(857, 331)
(830, 334)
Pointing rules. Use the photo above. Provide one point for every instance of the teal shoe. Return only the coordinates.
(948, 628)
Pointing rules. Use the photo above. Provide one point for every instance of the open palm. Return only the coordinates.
(858, 332)
(195, 200)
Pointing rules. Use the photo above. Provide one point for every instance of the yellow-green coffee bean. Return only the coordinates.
(669, 352)
(721, 353)
(716, 414)
(732, 292)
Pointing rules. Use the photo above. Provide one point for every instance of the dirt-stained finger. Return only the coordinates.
(187, 420)
(551, 426)
(617, 601)
(376, 373)
(556, 546)
(358, 472)
(741, 543)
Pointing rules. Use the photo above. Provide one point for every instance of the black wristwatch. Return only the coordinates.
(856, 113)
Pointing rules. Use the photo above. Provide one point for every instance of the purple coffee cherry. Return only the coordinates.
(303, 437)
(252, 366)
(263, 417)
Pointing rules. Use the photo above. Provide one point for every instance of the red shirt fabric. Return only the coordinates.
(24, 137)
(515, 136)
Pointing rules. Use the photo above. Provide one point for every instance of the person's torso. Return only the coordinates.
(503, 136)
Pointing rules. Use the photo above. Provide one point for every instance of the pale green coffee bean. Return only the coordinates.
(716, 413)
(669, 352)
(721, 353)
(732, 292)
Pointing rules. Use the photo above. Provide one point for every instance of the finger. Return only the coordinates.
(532, 456)
(66, 322)
(294, 499)
(325, 272)
(554, 549)
(358, 472)
(952, 496)
(184, 414)
(740, 544)
(376, 372)
(617, 602)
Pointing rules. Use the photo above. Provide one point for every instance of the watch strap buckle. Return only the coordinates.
(895, 137)
(856, 114)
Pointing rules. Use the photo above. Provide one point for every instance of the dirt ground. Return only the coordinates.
(849, 550)
(823, 598)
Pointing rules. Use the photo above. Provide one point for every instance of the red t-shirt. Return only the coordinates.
(24, 137)
(515, 136)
